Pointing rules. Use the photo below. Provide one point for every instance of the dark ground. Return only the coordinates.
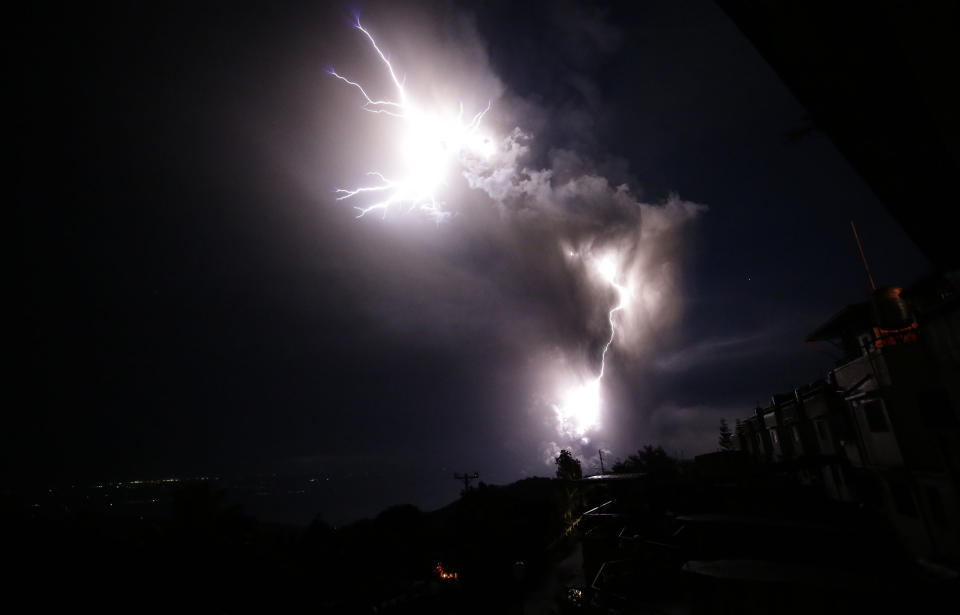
(508, 545)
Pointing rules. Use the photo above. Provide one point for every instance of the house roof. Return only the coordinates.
(856, 317)
(619, 476)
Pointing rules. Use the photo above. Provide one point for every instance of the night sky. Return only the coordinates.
(195, 300)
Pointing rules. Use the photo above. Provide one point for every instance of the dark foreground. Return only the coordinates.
(631, 545)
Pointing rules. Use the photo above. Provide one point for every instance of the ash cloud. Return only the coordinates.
(563, 218)
(569, 213)
(514, 267)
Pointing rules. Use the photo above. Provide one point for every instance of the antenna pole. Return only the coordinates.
(873, 286)
(467, 479)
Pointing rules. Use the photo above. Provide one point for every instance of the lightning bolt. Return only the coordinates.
(433, 142)
(621, 294)
(579, 410)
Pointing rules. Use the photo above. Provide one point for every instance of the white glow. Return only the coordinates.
(607, 268)
(432, 144)
(579, 409)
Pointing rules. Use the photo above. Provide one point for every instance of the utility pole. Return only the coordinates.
(466, 478)
(863, 256)
(602, 471)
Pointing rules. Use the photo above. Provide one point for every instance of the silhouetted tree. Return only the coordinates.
(568, 466)
(725, 441)
(650, 460)
(318, 534)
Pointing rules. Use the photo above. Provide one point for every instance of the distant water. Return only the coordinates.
(271, 498)
(338, 500)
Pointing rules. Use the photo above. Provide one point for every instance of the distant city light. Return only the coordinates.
(445, 575)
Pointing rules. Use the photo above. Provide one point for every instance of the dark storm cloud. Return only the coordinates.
(711, 351)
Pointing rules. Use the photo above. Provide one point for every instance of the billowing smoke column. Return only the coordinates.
(620, 249)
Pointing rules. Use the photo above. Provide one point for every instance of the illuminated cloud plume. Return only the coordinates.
(433, 142)
(604, 252)
(609, 241)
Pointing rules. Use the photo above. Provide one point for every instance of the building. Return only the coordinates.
(883, 427)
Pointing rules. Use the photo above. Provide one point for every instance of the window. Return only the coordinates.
(836, 476)
(870, 489)
(876, 418)
(903, 499)
(937, 510)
